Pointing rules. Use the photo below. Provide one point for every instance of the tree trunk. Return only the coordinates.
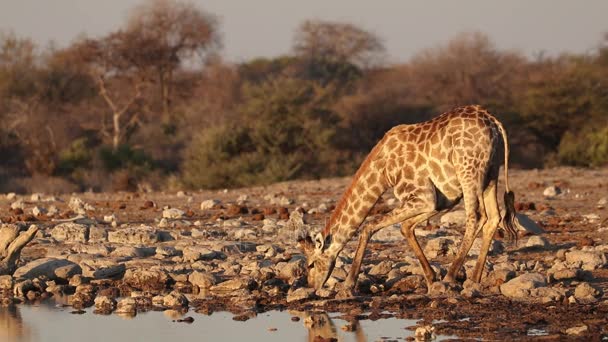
(12, 241)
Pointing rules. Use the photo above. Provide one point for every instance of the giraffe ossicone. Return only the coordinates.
(431, 166)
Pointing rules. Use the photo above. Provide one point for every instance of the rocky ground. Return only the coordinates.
(236, 250)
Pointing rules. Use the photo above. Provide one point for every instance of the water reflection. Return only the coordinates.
(48, 322)
(319, 324)
(11, 325)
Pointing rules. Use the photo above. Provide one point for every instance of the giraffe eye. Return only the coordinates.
(311, 265)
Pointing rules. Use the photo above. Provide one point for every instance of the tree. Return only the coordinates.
(110, 62)
(467, 70)
(337, 42)
(163, 34)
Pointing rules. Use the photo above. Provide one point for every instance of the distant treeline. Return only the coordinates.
(153, 106)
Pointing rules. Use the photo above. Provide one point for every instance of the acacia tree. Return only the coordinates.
(337, 42)
(164, 34)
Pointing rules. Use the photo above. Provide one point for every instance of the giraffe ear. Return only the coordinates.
(320, 241)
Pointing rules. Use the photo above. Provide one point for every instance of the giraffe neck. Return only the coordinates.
(365, 189)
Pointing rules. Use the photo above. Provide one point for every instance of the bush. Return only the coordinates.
(588, 148)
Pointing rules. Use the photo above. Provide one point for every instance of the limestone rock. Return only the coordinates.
(70, 232)
(175, 299)
(105, 303)
(127, 306)
(292, 270)
(234, 284)
(6, 282)
(195, 253)
(588, 260)
(524, 223)
(586, 293)
(102, 268)
(98, 234)
(142, 235)
(146, 280)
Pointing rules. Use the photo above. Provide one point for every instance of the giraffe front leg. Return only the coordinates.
(395, 216)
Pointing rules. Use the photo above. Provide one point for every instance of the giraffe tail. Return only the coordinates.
(509, 197)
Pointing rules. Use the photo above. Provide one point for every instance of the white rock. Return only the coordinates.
(577, 330)
(209, 204)
(105, 303)
(44, 267)
(552, 191)
(135, 235)
(109, 218)
(523, 222)
(536, 241)
(519, 287)
(300, 294)
(202, 280)
(127, 306)
(11, 196)
(37, 211)
(19, 204)
(70, 232)
(173, 213)
(589, 260)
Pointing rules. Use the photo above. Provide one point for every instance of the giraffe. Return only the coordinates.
(430, 166)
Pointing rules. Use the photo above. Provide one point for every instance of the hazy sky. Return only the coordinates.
(252, 28)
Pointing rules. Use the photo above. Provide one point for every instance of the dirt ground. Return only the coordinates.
(575, 218)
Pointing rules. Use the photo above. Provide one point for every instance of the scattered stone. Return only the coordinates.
(195, 253)
(552, 191)
(19, 204)
(234, 284)
(79, 206)
(11, 196)
(98, 234)
(601, 204)
(292, 270)
(441, 246)
(102, 268)
(166, 251)
(381, 269)
(173, 213)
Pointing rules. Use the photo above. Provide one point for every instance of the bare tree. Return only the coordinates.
(164, 34)
(110, 62)
(339, 42)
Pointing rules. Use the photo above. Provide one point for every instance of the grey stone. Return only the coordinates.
(300, 294)
(167, 251)
(195, 253)
(588, 260)
(233, 285)
(44, 267)
(444, 246)
(102, 268)
(381, 269)
(524, 223)
(70, 232)
(586, 293)
(537, 242)
(202, 280)
(519, 287)
(146, 280)
(292, 270)
(98, 234)
(133, 252)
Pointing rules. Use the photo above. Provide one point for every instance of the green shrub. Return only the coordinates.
(588, 148)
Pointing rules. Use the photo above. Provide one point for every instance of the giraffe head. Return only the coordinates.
(320, 264)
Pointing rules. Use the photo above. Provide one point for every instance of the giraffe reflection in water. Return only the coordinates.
(322, 328)
(11, 325)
